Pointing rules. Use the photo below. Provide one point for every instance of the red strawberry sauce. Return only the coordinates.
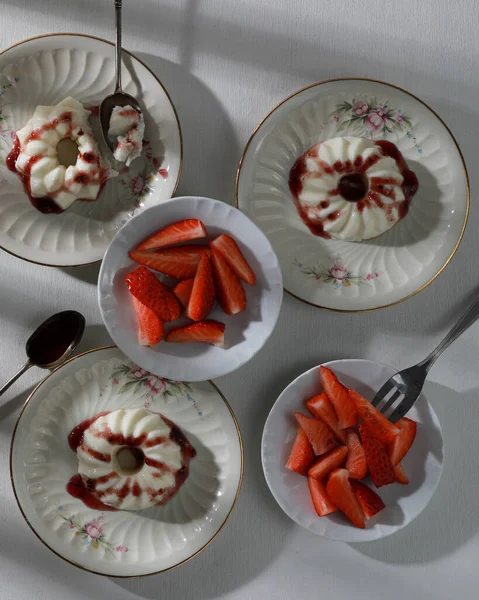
(354, 186)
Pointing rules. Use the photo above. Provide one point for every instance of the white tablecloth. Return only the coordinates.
(226, 63)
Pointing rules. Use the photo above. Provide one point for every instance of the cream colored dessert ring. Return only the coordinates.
(351, 188)
(55, 185)
(130, 459)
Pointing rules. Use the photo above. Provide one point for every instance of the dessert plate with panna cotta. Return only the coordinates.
(121, 472)
(361, 189)
(63, 195)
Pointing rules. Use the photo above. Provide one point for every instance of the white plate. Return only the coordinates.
(122, 543)
(246, 332)
(46, 70)
(373, 274)
(423, 463)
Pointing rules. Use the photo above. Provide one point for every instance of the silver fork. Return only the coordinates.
(401, 391)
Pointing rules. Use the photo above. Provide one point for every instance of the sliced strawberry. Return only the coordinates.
(377, 423)
(150, 327)
(320, 407)
(319, 435)
(211, 332)
(302, 455)
(380, 467)
(230, 292)
(176, 233)
(400, 445)
(370, 502)
(401, 476)
(338, 394)
(153, 294)
(180, 262)
(229, 250)
(328, 462)
(321, 502)
(341, 494)
(183, 291)
(202, 297)
(356, 462)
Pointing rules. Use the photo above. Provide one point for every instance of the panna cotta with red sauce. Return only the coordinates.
(129, 459)
(127, 128)
(352, 188)
(57, 157)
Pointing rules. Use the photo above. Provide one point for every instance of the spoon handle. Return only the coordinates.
(18, 374)
(118, 45)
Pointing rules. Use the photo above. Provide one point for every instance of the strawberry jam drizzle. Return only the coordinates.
(353, 186)
(87, 489)
(47, 204)
(44, 205)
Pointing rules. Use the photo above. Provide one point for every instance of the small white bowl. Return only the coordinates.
(423, 463)
(246, 332)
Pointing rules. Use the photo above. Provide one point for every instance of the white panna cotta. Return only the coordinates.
(352, 188)
(127, 128)
(132, 458)
(46, 173)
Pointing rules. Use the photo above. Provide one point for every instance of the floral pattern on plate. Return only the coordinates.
(91, 533)
(136, 378)
(367, 117)
(337, 274)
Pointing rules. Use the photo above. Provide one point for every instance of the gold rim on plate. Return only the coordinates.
(240, 439)
(318, 83)
(99, 39)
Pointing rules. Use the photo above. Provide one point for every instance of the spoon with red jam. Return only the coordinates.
(52, 342)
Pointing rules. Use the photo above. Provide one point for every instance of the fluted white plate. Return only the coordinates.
(349, 276)
(122, 543)
(422, 464)
(46, 70)
(245, 333)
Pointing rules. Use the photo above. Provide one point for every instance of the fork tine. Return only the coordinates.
(394, 398)
(383, 392)
(402, 409)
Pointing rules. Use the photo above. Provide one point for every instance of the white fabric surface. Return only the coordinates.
(226, 63)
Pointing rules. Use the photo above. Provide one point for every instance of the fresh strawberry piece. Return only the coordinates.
(401, 476)
(378, 425)
(400, 445)
(320, 407)
(176, 233)
(202, 297)
(370, 502)
(356, 462)
(180, 262)
(338, 394)
(302, 455)
(319, 435)
(150, 327)
(230, 292)
(321, 502)
(229, 250)
(183, 291)
(341, 494)
(380, 467)
(327, 462)
(153, 294)
(211, 332)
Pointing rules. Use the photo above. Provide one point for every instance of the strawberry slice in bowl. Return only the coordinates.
(384, 510)
(171, 242)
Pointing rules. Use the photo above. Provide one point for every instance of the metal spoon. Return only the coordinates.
(52, 342)
(118, 98)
